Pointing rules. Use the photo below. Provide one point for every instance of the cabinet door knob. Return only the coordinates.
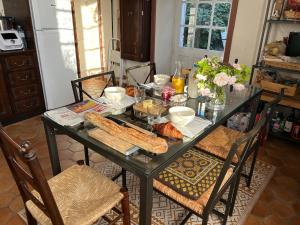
(27, 92)
(28, 106)
(24, 78)
(20, 64)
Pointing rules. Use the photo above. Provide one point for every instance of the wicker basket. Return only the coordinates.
(291, 15)
(283, 65)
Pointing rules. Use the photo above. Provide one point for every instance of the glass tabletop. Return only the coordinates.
(142, 162)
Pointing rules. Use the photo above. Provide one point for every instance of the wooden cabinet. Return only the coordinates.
(5, 109)
(21, 93)
(135, 29)
(20, 86)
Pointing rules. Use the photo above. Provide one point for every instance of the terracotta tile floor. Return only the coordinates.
(278, 205)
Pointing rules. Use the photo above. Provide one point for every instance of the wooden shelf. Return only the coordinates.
(293, 102)
(266, 67)
(284, 137)
(284, 21)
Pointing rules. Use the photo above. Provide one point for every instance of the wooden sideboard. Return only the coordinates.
(21, 93)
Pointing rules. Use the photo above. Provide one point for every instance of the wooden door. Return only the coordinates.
(135, 29)
(5, 109)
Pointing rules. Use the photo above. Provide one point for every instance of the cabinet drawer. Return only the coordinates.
(28, 105)
(19, 78)
(25, 91)
(16, 62)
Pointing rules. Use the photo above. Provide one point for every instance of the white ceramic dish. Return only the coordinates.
(181, 115)
(114, 94)
(161, 79)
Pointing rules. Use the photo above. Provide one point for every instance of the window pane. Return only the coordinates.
(218, 39)
(201, 38)
(221, 14)
(188, 14)
(204, 14)
(186, 37)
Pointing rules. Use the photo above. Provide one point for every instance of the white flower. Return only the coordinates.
(205, 92)
(221, 79)
(231, 80)
(237, 66)
(199, 76)
(238, 87)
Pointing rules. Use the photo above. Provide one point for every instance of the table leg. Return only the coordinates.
(52, 148)
(146, 190)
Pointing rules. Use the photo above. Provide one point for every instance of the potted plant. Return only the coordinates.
(214, 76)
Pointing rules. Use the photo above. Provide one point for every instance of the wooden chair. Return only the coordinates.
(218, 143)
(149, 77)
(217, 183)
(77, 196)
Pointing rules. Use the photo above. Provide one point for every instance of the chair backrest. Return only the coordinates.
(246, 142)
(141, 68)
(92, 86)
(27, 173)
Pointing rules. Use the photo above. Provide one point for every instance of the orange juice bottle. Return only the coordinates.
(178, 80)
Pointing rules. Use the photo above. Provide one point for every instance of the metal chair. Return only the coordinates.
(219, 141)
(57, 201)
(228, 178)
(91, 87)
(141, 68)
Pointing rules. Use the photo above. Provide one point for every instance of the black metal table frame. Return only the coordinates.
(145, 172)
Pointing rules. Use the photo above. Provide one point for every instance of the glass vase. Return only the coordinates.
(218, 98)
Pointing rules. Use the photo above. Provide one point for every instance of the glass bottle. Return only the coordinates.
(178, 79)
(192, 84)
(289, 122)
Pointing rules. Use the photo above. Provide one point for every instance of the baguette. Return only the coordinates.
(145, 141)
(109, 140)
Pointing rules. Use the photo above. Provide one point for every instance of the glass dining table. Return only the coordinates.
(144, 165)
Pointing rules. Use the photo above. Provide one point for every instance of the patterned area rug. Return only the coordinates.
(166, 212)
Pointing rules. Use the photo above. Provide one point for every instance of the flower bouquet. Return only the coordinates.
(213, 76)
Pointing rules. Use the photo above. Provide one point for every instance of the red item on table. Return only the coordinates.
(167, 93)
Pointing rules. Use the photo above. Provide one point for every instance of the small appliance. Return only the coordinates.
(293, 46)
(10, 40)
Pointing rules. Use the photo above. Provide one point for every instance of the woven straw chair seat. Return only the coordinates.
(195, 205)
(81, 194)
(219, 142)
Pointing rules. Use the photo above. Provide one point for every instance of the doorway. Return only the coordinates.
(93, 30)
(202, 28)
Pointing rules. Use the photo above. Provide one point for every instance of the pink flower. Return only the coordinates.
(238, 87)
(205, 92)
(221, 79)
(231, 80)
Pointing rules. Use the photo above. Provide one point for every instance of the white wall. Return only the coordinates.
(1, 8)
(248, 27)
(164, 35)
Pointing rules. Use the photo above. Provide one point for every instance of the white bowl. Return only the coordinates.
(114, 94)
(181, 115)
(161, 79)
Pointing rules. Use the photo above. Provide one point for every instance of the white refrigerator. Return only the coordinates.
(53, 28)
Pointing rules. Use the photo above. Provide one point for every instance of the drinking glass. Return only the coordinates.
(150, 116)
(139, 94)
